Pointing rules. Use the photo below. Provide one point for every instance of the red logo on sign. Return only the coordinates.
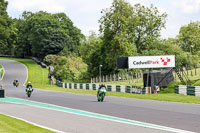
(165, 61)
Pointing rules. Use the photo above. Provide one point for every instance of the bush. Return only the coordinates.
(197, 83)
(170, 88)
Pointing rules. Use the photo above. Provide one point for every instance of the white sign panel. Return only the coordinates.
(151, 61)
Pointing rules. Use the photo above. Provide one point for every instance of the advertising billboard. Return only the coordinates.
(151, 61)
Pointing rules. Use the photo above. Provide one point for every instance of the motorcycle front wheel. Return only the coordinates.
(102, 97)
(29, 94)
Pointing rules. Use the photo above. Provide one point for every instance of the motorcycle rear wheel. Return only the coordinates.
(29, 94)
(102, 97)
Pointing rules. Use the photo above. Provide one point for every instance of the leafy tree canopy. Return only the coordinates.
(43, 33)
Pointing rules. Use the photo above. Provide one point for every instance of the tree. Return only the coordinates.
(71, 69)
(189, 37)
(117, 27)
(7, 30)
(90, 52)
(127, 30)
(149, 24)
(74, 34)
(4, 20)
(23, 45)
(43, 33)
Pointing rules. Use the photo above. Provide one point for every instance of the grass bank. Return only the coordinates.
(39, 78)
(12, 125)
(2, 71)
(37, 75)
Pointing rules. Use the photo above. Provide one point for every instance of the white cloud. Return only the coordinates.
(86, 13)
(36, 5)
(188, 6)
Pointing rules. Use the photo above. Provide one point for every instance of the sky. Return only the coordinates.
(86, 13)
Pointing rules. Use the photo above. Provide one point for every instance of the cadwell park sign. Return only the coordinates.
(151, 61)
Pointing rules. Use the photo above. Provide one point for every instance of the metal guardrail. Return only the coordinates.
(36, 60)
(114, 88)
(187, 90)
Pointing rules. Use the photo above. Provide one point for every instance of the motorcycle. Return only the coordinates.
(16, 83)
(29, 91)
(101, 94)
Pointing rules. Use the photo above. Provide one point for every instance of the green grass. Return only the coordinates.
(12, 125)
(2, 71)
(194, 78)
(37, 75)
(135, 82)
(39, 78)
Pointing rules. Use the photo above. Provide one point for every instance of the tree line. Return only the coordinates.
(124, 30)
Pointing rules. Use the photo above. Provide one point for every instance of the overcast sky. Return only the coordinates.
(86, 13)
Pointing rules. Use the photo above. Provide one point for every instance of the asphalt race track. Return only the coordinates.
(169, 114)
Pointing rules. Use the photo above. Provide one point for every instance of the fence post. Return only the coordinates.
(106, 78)
(195, 67)
(174, 75)
(186, 69)
(127, 76)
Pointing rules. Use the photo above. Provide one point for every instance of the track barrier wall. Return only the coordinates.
(187, 90)
(111, 88)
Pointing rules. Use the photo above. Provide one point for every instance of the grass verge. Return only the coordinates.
(12, 125)
(2, 71)
(37, 75)
(39, 78)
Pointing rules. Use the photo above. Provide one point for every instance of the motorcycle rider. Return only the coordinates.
(29, 85)
(101, 86)
(16, 83)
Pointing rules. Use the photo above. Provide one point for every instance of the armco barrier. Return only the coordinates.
(70, 85)
(87, 86)
(123, 88)
(109, 88)
(191, 90)
(143, 91)
(197, 91)
(118, 88)
(187, 90)
(128, 89)
(81, 86)
(93, 86)
(182, 89)
(65, 85)
(75, 86)
(114, 88)
(176, 89)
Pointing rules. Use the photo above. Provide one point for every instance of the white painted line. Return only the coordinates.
(57, 131)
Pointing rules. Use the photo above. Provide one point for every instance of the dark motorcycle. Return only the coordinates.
(101, 94)
(29, 91)
(16, 83)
